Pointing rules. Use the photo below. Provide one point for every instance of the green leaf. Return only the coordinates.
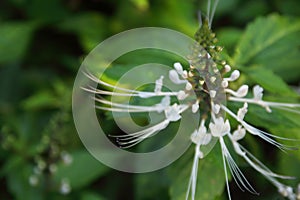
(144, 185)
(289, 165)
(184, 17)
(43, 10)
(82, 171)
(229, 37)
(290, 7)
(91, 196)
(261, 118)
(14, 40)
(89, 27)
(211, 179)
(43, 99)
(249, 10)
(141, 4)
(269, 80)
(271, 42)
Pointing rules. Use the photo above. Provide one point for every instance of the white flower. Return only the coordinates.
(174, 77)
(182, 95)
(178, 67)
(235, 137)
(241, 92)
(172, 113)
(195, 107)
(234, 75)
(212, 93)
(258, 92)
(242, 112)
(165, 102)
(195, 82)
(216, 108)
(224, 84)
(200, 136)
(158, 85)
(239, 133)
(219, 128)
(227, 68)
(188, 86)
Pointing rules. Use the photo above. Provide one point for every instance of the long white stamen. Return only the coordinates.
(193, 176)
(130, 140)
(132, 92)
(125, 110)
(93, 78)
(236, 172)
(258, 132)
(289, 110)
(165, 102)
(194, 180)
(172, 114)
(260, 167)
(225, 170)
(286, 191)
(199, 18)
(257, 165)
(264, 103)
(208, 10)
(213, 13)
(142, 132)
(135, 93)
(141, 108)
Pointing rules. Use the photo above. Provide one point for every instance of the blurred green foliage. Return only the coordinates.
(42, 44)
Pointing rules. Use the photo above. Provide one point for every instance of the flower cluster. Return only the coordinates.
(210, 91)
(219, 127)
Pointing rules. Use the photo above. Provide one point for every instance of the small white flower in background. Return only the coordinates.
(214, 123)
(41, 164)
(34, 180)
(65, 187)
(52, 168)
(66, 158)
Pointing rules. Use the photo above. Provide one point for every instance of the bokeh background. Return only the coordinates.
(42, 44)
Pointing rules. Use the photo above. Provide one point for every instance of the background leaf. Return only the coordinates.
(271, 43)
(269, 81)
(14, 40)
(89, 27)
